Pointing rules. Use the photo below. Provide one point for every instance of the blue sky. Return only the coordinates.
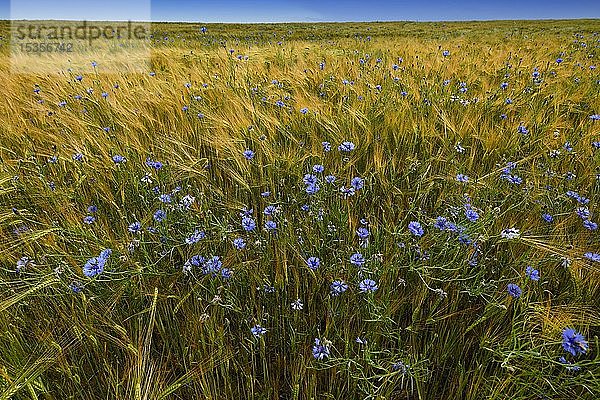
(307, 10)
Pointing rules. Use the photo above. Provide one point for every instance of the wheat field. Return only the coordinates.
(307, 211)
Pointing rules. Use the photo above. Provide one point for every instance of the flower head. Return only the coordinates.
(367, 285)
(415, 228)
(532, 273)
(313, 263)
(462, 178)
(362, 232)
(514, 290)
(239, 243)
(574, 342)
(258, 330)
(592, 256)
(321, 349)
(357, 259)
(94, 266)
(248, 224)
(134, 227)
(159, 215)
(346, 147)
(337, 287)
(248, 154)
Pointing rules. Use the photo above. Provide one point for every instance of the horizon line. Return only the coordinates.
(306, 21)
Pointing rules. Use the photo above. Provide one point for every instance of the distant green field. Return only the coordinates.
(306, 211)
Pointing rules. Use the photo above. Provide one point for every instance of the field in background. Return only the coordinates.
(493, 126)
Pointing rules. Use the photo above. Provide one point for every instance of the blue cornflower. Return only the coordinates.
(95, 266)
(440, 223)
(134, 227)
(452, 227)
(248, 224)
(574, 342)
(592, 256)
(195, 261)
(153, 164)
(471, 215)
(313, 263)
(503, 85)
(592, 226)
(105, 253)
(270, 225)
(357, 259)
(509, 167)
(326, 146)
(462, 178)
(239, 243)
(362, 232)
(226, 273)
(89, 219)
(265, 194)
(248, 154)
(258, 330)
(346, 147)
(583, 212)
(309, 179)
(212, 265)
(547, 217)
(330, 179)
(165, 198)
(312, 188)
(23, 262)
(367, 285)
(159, 215)
(320, 350)
(446, 53)
(78, 157)
(357, 183)
(532, 273)
(303, 110)
(76, 287)
(514, 290)
(415, 228)
(318, 168)
(337, 287)
(195, 237)
(513, 179)
(118, 159)
(270, 210)
(580, 199)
